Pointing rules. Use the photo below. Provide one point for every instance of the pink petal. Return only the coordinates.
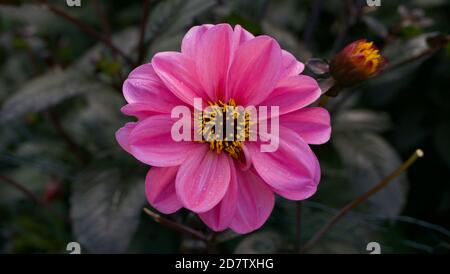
(160, 189)
(293, 170)
(291, 66)
(144, 86)
(190, 43)
(312, 124)
(213, 59)
(255, 202)
(178, 72)
(139, 110)
(240, 36)
(123, 136)
(203, 179)
(293, 93)
(246, 162)
(219, 218)
(151, 143)
(255, 70)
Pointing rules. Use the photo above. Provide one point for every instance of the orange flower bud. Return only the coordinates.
(357, 62)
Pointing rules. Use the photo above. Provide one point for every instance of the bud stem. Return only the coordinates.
(383, 183)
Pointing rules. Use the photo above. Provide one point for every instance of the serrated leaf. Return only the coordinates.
(46, 91)
(105, 210)
(102, 111)
(368, 159)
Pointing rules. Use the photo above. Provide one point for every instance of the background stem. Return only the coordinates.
(176, 226)
(32, 197)
(145, 13)
(103, 19)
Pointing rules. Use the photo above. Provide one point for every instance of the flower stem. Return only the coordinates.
(383, 183)
(87, 29)
(435, 43)
(176, 226)
(103, 19)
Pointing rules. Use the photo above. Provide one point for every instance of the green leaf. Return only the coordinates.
(368, 159)
(46, 91)
(105, 210)
(102, 111)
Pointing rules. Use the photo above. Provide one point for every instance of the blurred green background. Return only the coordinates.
(63, 177)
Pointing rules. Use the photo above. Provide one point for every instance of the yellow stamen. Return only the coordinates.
(240, 121)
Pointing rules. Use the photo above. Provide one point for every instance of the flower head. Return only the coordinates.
(224, 176)
(357, 62)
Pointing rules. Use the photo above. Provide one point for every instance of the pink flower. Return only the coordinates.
(230, 187)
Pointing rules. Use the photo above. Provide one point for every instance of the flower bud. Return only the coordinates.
(357, 62)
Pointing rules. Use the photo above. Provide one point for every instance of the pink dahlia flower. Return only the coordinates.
(231, 184)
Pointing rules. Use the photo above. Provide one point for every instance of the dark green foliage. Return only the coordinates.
(60, 99)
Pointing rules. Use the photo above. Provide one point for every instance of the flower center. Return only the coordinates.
(368, 57)
(225, 127)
